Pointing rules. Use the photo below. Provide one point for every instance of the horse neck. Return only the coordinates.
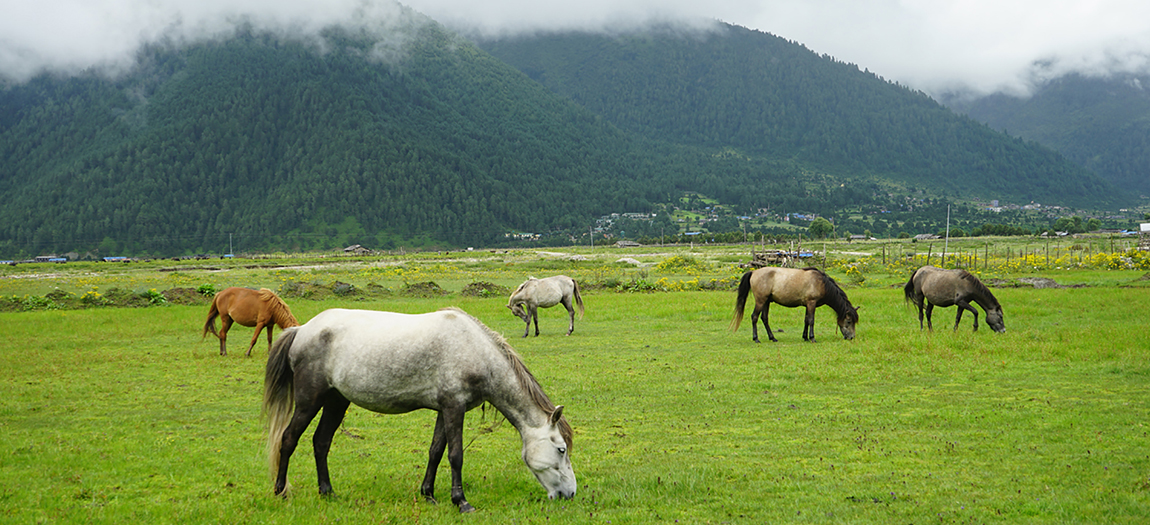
(282, 316)
(984, 298)
(835, 298)
(519, 407)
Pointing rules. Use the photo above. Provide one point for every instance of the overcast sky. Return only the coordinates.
(933, 45)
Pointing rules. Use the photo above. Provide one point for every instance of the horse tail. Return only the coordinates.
(578, 298)
(741, 299)
(210, 324)
(279, 392)
(908, 290)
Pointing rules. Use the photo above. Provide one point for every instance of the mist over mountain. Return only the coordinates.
(404, 133)
(1100, 122)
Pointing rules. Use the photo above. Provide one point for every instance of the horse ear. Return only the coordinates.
(857, 308)
(558, 413)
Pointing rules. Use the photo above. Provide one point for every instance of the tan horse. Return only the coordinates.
(792, 287)
(938, 287)
(262, 308)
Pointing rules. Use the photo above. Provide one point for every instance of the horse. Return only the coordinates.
(394, 363)
(545, 293)
(952, 288)
(247, 307)
(792, 287)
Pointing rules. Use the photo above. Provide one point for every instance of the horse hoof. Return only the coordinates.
(465, 507)
(431, 500)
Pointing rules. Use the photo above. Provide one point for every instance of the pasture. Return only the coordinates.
(118, 414)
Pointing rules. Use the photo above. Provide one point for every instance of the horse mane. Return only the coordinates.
(526, 379)
(981, 292)
(278, 308)
(833, 295)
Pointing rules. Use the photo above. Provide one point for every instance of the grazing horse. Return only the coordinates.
(247, 307)
(545, 293)
(393, 363)
(952, 288)
(791, 287)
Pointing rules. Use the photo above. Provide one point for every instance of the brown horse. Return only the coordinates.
(247, 307)
(791, 287)
(952, 288)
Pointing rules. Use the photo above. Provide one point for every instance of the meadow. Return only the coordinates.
(114, 414)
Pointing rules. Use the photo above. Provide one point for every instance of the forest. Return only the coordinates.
(261, 142)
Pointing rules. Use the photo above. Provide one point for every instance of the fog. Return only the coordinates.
(932, 45)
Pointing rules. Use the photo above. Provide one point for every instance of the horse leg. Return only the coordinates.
(434, 456)
(920, 316)
(256, 337)
(767, 323)
(755, 324)
(534, 310)
(225, 325)
(963, 305)
(453, 431)
(809, 322)
(304, 413)
(929, 312)
(570, 314)
(334, 408)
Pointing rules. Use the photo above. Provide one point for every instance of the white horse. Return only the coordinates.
(545, 293)
(393, 363)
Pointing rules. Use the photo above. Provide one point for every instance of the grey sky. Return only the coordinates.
(933, 45)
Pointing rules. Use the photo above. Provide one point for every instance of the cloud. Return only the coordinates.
(933, 45)
(68, 36)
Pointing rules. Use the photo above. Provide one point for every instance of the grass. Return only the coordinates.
(126, 414)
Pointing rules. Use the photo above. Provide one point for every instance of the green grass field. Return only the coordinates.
(126, 414)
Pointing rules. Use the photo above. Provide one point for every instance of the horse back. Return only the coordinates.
(787, 286)
(943, 287)
(394, 363)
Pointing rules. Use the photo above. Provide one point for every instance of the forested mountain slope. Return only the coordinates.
(422, 138)
(763, 95)
(284, 146)
(1101, 123)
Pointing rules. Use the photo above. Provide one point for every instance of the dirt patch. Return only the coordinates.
(427, 289)
(185, 296)
(485, 289)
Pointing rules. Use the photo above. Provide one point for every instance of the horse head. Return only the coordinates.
(517, 309)
(847, 321)
(994, 319)
(547, 454)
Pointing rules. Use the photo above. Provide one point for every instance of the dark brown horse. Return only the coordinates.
(262, 308)
(790, 287)
(945, 288)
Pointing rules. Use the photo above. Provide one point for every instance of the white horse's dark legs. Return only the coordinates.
(534, 310)
(334, 408)
(453, 431)
(570, 314)
(929, 312)
(434, 456)
(299, 422)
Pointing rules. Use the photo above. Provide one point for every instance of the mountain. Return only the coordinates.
(1100, 123)
(417, 137)
(738, 88)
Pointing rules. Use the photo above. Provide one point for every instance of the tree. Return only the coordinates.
(820, 228)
